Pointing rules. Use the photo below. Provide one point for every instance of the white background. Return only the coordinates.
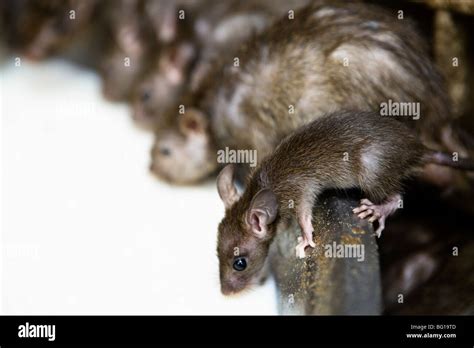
(86, 229)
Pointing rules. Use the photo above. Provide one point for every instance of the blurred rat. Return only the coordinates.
(211, 30)
(340, 56)
(132, 49)
(165, 83)
(41, 28)
(343, 150)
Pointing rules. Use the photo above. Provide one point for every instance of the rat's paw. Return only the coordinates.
(308, 238)
(302, 244)
(365, 208)
(307, 230)
(378, 213)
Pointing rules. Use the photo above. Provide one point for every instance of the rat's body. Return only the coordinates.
(296, 71)
(375, 154)
(132, 47)
(211, 31)
(385, 59)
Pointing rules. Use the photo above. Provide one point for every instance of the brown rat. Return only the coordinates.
(132, 48)
(39, 29)
(122, 71)
(163, 86)
(342, 150)
(210, 31)
(281, 84)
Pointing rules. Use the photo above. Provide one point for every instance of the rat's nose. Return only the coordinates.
(152, 166)
(232, 286)
(226, 289)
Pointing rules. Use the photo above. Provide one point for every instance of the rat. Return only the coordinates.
(40, 29)
(165, 82)
(343, 150)
(340, 56)
(132, 49)
(210, 31)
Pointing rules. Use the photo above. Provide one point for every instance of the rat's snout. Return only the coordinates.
(232, 286)
(226, 290)
(157, 170)
(155, 167)
(139, 113)
(152, 166)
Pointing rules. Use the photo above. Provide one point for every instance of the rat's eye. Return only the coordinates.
(145, 96)
(240, 264)
(165, 151)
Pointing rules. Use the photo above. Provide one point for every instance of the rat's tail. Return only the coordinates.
(450, 160)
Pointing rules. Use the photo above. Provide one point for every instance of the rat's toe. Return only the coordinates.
(359, 209)
(381, 227)
(374, 217)
(365, 214)
(300, 250)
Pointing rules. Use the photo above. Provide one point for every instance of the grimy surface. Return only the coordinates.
(323, 285)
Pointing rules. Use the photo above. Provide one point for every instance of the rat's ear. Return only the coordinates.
(225, 186)
(193, 121)
(262, 212)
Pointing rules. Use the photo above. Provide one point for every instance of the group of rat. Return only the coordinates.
(300, 82)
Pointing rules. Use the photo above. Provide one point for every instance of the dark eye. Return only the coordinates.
(240, 264)
(145, 96)
(165, 151)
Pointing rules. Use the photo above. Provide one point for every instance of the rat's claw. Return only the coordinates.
(381, 227)
(360, 209)
(366, 213)
(374, 217)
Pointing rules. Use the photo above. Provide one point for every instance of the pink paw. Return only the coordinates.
(301, 246)
(374, 212)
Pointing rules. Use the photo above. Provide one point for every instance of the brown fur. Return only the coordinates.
(297, 62)
(41, 28)
(309, 161)
(215, 29)
(131, 35)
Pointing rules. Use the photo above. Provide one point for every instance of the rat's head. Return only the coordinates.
(129, 55)
(244, 234)
(161, 90)
(43, 27)
(183, 152)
